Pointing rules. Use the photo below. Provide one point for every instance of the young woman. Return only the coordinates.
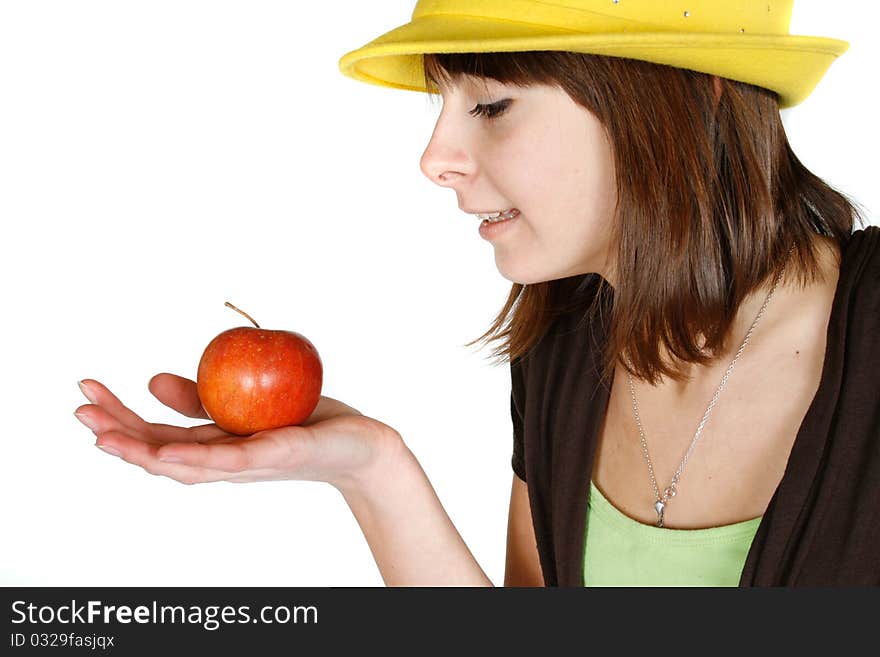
(692, 324)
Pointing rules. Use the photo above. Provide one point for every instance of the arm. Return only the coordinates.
(410, 535)
(523, 566)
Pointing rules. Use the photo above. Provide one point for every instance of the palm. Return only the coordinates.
(334, 442)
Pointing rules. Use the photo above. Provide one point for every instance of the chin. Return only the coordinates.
(517, 275)
(527, 277)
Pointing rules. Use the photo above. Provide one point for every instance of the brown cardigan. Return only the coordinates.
(822, 526)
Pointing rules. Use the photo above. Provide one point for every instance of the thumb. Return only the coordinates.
(179, 394)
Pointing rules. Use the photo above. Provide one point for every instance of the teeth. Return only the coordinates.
(500, 215)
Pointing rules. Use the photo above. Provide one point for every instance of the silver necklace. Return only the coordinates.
(662, 500)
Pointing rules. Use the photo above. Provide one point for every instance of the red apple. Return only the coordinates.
(251, 379)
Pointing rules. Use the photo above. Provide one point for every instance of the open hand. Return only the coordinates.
(336, 444)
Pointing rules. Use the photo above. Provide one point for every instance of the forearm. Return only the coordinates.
(409, 533)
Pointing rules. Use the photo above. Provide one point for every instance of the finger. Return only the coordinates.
(273, 450)
(153, 433)
(145, 456)
(178, 393)
(99, 420)
(100, 395)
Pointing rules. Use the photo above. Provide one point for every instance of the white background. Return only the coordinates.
(159, 158)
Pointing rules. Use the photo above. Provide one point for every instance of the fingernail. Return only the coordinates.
(171, 459)
(108, 449)
(87, 392)
(86, 420)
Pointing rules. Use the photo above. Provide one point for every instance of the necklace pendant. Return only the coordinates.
(658, 507)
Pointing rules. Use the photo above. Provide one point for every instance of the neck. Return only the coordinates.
(792, 314)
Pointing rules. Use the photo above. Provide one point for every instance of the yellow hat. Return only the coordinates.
(745, 40)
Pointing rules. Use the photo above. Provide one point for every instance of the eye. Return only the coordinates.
(492, 110)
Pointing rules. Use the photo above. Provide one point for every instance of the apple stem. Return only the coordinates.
(243, 313)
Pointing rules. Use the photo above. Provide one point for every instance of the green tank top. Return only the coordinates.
(621, 551)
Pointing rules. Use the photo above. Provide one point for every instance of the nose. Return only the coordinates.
(446, 160)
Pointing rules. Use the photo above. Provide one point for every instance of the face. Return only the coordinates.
(538, 152)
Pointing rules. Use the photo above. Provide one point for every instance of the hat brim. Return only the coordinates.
(790, 65)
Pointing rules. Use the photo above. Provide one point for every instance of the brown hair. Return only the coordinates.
(711, 200)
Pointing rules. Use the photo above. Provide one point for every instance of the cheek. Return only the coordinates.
(565, 185)
(583, 179)
(534, 176)
(575, 205)
(556, 169)
(529, 159)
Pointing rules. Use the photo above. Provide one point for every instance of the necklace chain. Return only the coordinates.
(662, 500)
